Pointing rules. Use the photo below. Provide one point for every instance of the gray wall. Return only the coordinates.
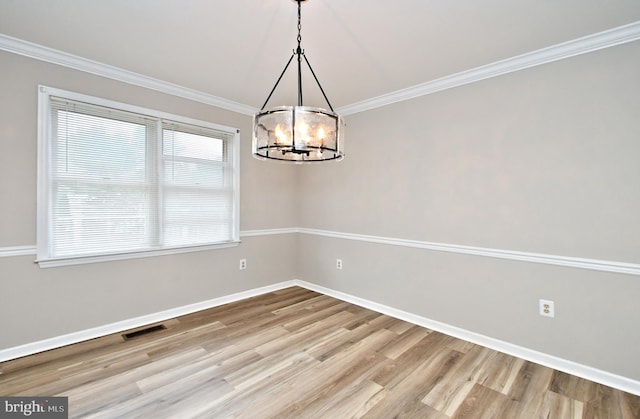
(543, 160)
(37, 303)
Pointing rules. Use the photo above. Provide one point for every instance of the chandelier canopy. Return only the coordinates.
(298, 134)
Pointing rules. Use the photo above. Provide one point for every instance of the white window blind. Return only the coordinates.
(115, 179)
(197, 192)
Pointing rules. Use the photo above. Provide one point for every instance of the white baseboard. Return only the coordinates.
(570, 367)
(96, 332)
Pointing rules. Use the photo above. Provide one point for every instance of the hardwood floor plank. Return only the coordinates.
(404, 365)
(184, 397)
(461, 345)
(305, 337)
(351, 402)
(447, 398)
(311, 304)
(404, 342)
(311, 317)
(555, 405)
(504, 374)
(61, 355)
(406, 395)
(606, 403)
(362, 317)
(399, 326)
(160, 374)
(484, 403)
(295, 353)
(261, 395)
(325, 374)
(342, 386)
(572, 387)
(630, 405)
(532, 382)
(240, 343)
(341, 340)
(392, 324)
(458, 380)
(254, 373)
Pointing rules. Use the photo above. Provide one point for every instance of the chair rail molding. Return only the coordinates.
(17, 251)
(547, 259)
(567, 261)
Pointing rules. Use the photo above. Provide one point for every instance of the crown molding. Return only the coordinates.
(609, 38)
(53, 56)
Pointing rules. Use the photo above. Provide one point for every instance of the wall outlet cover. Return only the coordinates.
(547, 308)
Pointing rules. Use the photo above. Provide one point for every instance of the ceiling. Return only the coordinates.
(359, 49)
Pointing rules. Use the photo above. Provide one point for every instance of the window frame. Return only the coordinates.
(45, 178)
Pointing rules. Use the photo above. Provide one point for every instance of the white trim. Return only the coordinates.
(52, 263)
(45, 95)
(268, 232)
(546, 259)
(53, 56)
(236, 186)
(570, 367)
(586, 44)
(609, 38)
(8, 251)
(17, 251)
(560, 364)
(566, 261)
(96, 332)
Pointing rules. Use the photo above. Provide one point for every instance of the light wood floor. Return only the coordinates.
(296, 353)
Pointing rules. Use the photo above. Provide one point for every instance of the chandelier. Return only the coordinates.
(298, 134)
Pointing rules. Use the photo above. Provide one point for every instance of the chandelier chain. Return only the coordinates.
(299, 52)
(299, 26)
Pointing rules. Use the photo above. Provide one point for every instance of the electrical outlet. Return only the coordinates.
(547, 308)
(338, 263)
(243, 264)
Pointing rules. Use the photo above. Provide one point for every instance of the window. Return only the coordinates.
(118, 181)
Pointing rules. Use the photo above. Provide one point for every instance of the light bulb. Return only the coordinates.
(303, 128)
(302, 134)
(281, 137)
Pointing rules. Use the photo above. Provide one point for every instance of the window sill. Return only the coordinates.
(52, 263)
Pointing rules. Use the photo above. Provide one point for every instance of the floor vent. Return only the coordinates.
(145, 331)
